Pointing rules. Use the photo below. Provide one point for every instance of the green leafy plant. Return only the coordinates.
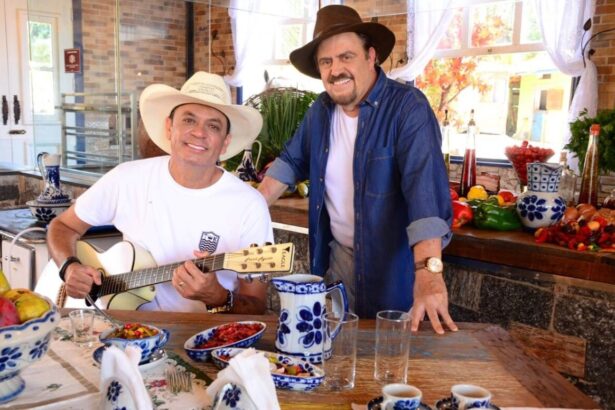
(283, 110)
(579, 138)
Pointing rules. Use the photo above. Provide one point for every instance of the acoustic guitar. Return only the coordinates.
(129, 271)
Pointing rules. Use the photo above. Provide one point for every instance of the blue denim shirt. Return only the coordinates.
(401, 193)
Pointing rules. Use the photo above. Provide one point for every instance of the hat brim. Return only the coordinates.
(158, 100)
(382, 39)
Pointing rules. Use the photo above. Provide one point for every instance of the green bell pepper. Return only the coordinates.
(491, 216)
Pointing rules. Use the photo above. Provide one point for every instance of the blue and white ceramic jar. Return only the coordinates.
(541, 205)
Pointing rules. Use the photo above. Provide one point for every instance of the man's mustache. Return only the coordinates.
(335, 78)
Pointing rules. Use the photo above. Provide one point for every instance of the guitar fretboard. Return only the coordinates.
(131, 280)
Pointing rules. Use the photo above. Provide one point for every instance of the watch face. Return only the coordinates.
(434, 265)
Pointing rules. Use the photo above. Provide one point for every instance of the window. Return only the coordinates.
(294, 25)
(492, 60)
(42, 67)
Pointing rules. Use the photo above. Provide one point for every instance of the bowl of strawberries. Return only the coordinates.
(525, 154)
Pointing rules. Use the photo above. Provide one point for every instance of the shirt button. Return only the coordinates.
(326, 149)
(317, 206)
(321, 179)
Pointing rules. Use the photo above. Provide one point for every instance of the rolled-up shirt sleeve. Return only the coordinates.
(429, 228)
(282, 172)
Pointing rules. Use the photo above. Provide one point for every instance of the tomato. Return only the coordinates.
(230, 333)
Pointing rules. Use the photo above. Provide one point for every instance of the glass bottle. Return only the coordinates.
(568, 180)
(446, 142)
(468, 171)
(590, 175)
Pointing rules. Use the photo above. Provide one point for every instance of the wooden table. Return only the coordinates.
(480, 354)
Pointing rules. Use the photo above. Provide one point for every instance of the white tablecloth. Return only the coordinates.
(67, 377)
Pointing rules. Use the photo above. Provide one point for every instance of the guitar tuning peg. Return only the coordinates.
(268, 243)
(253, 245)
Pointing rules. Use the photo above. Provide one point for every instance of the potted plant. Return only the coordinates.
(579, 138)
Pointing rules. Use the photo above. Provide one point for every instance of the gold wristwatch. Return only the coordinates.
(432, 264)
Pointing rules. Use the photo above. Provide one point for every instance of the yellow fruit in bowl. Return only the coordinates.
(30, 306)
(14, 294)
(4, 284)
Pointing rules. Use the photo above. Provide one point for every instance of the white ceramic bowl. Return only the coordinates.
(20, 346)
(201, 355)
(221, 357)
(46, 212)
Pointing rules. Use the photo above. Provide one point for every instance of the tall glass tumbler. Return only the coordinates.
(341, 331)
(392, 346)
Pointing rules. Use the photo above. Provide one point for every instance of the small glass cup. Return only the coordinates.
(392, 346)
(339, 363)
(82, 324)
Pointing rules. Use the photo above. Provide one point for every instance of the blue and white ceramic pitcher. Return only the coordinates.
(301, 328)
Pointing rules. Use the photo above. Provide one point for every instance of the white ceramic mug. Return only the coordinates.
(400, 396)
(469, 396)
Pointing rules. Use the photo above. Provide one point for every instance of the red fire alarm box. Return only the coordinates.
(72, 60)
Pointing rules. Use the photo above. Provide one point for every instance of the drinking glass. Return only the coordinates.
(392, 346)
(341, 331)
(82, 322)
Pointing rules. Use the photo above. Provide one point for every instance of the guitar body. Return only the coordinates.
(120, 258)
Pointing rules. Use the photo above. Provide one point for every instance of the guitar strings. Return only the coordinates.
(148, 276)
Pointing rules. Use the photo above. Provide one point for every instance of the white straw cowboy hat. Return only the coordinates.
(158, 100)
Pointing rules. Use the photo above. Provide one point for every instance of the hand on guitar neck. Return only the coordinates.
(122, 277)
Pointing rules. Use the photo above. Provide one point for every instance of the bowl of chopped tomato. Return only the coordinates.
(147, 337)
(287, 372)
(234, 334)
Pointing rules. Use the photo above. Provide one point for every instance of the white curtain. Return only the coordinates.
(431, 20)
(561, 23)
(252, 30)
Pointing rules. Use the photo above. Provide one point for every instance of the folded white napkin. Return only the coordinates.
(123, 367)
(249, 369)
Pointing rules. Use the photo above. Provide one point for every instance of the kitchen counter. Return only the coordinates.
(516, 249)
(13, 221)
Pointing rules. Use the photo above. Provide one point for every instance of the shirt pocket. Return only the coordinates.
(382, 178)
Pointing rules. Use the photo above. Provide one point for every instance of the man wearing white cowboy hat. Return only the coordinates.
(380, 208)
(178, 206)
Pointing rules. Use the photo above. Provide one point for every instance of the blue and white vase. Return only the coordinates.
(541, 205)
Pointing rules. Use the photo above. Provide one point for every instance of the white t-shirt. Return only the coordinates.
(170, 221)
(339, 185)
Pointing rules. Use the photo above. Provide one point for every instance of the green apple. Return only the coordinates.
(4, 284)
(30, 306)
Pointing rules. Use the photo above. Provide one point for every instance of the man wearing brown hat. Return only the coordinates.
(380, 208)
(176, 206)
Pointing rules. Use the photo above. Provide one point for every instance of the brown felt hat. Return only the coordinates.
(332, 20)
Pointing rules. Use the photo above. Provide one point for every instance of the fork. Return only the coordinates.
(178, 381)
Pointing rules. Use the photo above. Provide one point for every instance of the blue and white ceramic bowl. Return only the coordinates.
(148, 345)
(45, 212)
(221, 357)
(202, 355)
(20, 346)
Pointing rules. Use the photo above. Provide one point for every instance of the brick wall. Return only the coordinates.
(605, 53)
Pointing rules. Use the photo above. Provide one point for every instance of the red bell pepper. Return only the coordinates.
(453, 193)
(462, 214)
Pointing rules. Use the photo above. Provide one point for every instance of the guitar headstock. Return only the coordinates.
(278, 257)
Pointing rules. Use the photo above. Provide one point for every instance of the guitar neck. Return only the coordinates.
(151, 276)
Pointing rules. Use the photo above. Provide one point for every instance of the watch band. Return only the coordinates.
(226, 307)
(70, 260)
